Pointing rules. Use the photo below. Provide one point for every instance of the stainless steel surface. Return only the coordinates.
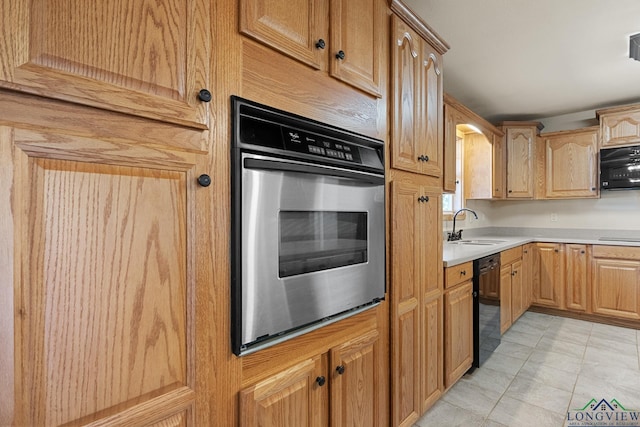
(272, 304)
(476, 242)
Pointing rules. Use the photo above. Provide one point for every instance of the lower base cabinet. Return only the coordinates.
(616, 281)
(458, 335)
(338, 388)
(513, 290)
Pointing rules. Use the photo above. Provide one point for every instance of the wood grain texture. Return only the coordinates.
(518, 298)
(151, 60)
(432, 350)
(616, 288)
(478, 167)
(458, 274)
(105, 294)
(619, 126)
(520, 162)
(290, 398)
(458, 332)
(357, 29)
(356, 392)
(616, 252)
(505, 298)
(418, 25)
(571, 164)
(577, 277)
(549, 276)
(7, 278)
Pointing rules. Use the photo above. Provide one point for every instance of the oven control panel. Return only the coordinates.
(305, 142)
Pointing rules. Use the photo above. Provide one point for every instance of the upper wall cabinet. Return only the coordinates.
(145, 58)
(619, 126)
(417, 124)
(340, 36)
(520, 140)
(570, 161)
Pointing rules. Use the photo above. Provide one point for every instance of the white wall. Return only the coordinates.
(615, 210)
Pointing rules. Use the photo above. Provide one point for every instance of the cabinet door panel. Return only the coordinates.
(458, 332)
(354, 393)
(291, 27)
(549, 277)
(571, 168)
(517, 291)
(577, 277)
(103, 289)
(291, 398)
(430, 119)
(432, 349)
(616, 288)
(406, 264)
(520, 162)
(146, 58)
(355, 30)
(406, 102)
(505, 298)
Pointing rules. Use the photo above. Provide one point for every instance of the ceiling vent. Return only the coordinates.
(634, 47)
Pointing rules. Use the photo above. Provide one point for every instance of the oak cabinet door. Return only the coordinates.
(505, 298)
(405, 294)
(520, 155)
(578, 283)
(430, 131)
(356, 381)
(616, 288)
(549, 276)
(356, 32)
(145, 58)
(297, 28)
(294, 397)
(517, 291)
(458, 315)
(406, 108)
(102, 234)
(571, 164)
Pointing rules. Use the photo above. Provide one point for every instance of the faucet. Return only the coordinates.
(457, 236)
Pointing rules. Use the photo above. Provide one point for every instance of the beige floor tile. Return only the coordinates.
(445, 414)
(547, 375)
(513, 412)
(539, 394)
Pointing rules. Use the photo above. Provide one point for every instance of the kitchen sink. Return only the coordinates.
(477, 242)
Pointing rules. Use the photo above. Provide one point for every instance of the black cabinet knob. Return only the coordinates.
(463, 273)
(204, 180)
(204, 95)
(340, 369)
(510, 191)
(320, 44)
(423, 199)
(340, 55)
(321, 381)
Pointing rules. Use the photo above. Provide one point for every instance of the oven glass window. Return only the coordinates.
(320, 240)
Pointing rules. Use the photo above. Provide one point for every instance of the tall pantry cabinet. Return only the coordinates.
(416, 282)
(109, 253)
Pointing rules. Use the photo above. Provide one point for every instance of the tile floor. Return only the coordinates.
(545, 366)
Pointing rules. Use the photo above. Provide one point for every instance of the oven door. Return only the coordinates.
(312, 245)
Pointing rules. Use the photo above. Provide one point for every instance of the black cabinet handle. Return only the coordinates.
(320, 44)
(340, 55)
(510, 191)
(340, 369)
(204, 95)
(423, 158)
(423, 199)
(463, 273)
(582, 252)
(204, 180)
(321, 381)
(555, 250)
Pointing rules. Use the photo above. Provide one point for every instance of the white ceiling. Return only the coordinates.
(527, 60)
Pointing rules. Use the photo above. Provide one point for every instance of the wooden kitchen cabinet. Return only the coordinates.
(570, 160)
(615, 279)
(520, 144)
(577, 277)
(452, 118)
(528, 267)
(338, 36)
(416, 297)
(148, 59)
(512, 290)
(458, 323)
(619, 126)
(548, 275)
(345, 392)
(417, 109)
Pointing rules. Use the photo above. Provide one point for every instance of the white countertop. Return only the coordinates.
(454, 254)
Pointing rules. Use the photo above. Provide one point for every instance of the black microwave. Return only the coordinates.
(620, 168)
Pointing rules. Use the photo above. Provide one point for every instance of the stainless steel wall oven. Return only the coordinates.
(308, 225)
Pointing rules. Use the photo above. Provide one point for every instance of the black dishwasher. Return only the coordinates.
(486, 307)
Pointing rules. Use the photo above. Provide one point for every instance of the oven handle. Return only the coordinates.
(276, 165)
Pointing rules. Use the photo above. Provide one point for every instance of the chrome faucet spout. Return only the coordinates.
(457, 236)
